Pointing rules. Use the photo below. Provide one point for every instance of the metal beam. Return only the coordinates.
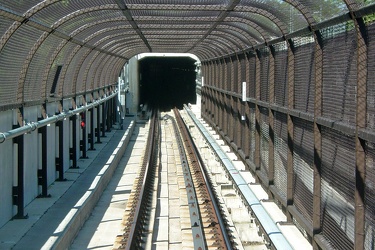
(130, 19)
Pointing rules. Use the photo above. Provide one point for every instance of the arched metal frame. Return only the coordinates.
(92, 41)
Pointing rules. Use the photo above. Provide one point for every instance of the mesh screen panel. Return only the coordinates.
(251, 127)
(339, 74)
(304, 76)
(281, 87)
(60, 59)
(100, 76)
(91, 74)
(12, 59)
(264, 141)
(244, 132)
(324, 10)
(93, 17)
(281, 151)
(338, 169)
(258, 13)
(236, 82)
(231, 118)
(35, 73)
(71, 87)
(303, 160)
(101, 30)
(235, 123)
(264, 74)
(19, 6)
(62, 9)
(371, 79)
(81, 80)
(118, 64)
(242, 71)
(252, 76)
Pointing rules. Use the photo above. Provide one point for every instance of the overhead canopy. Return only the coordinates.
(62, 48)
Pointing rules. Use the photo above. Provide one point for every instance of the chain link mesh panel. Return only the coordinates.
(338, 169)
(303, 160)
(304, 74)
(280, 153)
(371, 79)
(264, 74)
(33, 89)
(339, 73)
(12, 58)
(264, 142)
(281, 65)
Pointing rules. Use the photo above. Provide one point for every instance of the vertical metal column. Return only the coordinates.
(239, 129)
(114, 111)
(84, 136)
(271, 119)
(19, 190)
(92, 132)
(242, 133)
(227, 113)
(290, 125)
(248, 135)
(257, 112)
(104, 114)
(247, 108)
(360, 147)
(109, 114)
(217, 107)
(317, 199)
(73, 149)
(42, 173)
(231, 119)
(98, 124)
(60, 159)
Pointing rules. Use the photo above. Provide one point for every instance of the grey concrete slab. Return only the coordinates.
(161, 235)
(163, 204)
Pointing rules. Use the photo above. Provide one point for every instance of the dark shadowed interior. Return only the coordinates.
(167, 82)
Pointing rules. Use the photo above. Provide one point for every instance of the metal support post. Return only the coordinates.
(317, 167)
(98, 125)
(108, 112)
(60, 159)
(18, 191)
(73, 149)
(271, 119)
(104, 118)
(83, 142)
(92, 132)
(42, 173)
(114, 109)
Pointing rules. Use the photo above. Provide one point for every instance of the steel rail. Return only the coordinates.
(191, 192)
(131, 238)
(225, 241)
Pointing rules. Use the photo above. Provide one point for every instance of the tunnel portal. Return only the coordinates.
(167, 82)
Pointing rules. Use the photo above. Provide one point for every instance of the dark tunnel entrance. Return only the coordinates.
(167, 82)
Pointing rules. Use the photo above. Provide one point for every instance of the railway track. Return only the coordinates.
(194, 217)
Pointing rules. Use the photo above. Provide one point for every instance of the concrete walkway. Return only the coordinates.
(52, 222)
(104, 224)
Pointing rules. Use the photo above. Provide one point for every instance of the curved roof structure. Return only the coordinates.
(61, 48)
